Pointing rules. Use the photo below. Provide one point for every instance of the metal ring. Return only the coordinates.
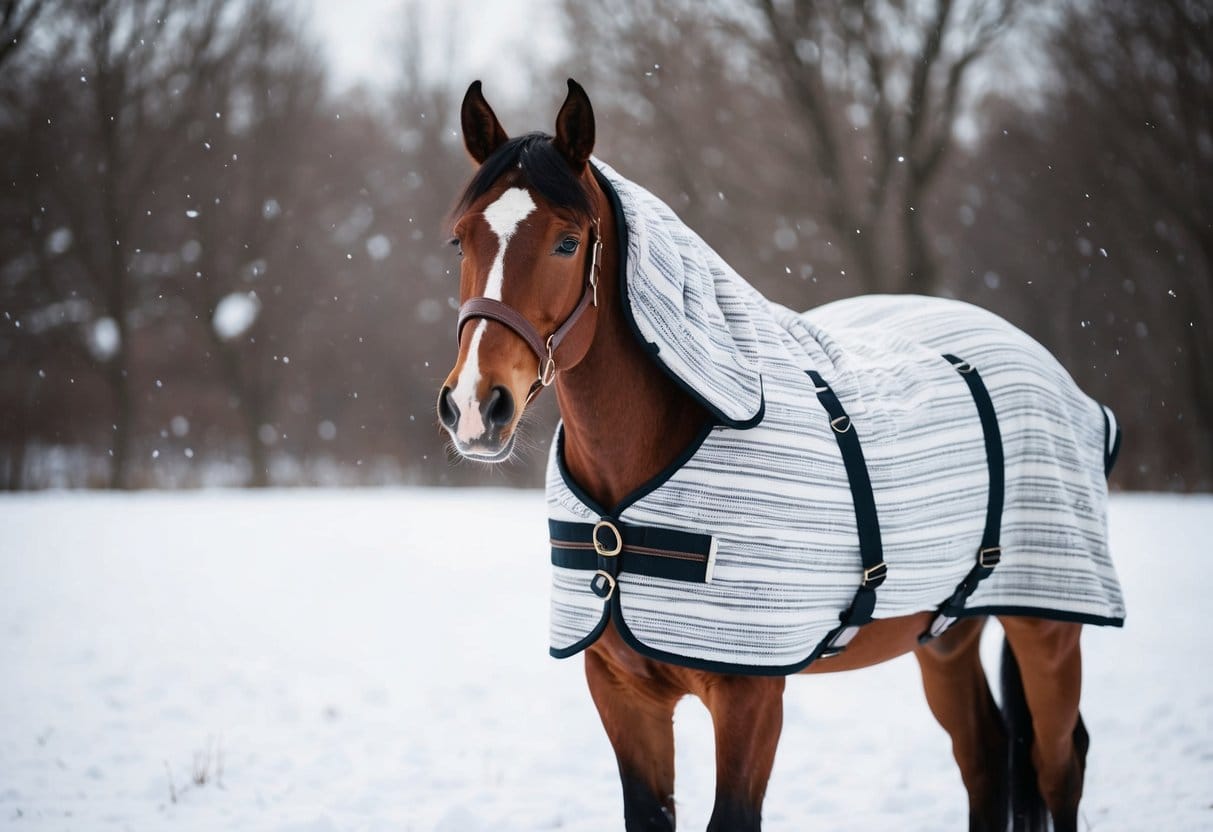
(598, 547)
(846, 427)
(964, 367)
(610, 581)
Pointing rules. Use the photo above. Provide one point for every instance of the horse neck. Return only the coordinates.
(624, 419)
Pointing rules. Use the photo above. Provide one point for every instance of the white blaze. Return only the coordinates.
(503, 217)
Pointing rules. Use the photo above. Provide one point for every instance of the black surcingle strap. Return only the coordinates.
(610, 547)
(870, 551)
(989, 553)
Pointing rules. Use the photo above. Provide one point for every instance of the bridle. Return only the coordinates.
(544, 348)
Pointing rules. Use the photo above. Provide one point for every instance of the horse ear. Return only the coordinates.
(482, 132)
(575, 127)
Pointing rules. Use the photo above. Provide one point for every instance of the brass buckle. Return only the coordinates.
(611, 582)
(547, 372)
(598, 547)
(995, 553)
(875, 573)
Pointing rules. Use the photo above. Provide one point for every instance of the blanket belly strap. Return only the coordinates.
(871, 551)
(609, 548)
(989, 553)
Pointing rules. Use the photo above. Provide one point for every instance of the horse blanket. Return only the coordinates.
(745, 552)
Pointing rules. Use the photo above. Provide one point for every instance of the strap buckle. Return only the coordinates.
(605, 551)
(603, 584)
(874, 576)
(989, 558)
(839, 642)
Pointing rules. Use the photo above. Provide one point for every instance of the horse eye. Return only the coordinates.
(457, 243)
(568, 245)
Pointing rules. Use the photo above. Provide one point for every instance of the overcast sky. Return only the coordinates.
(363, 37)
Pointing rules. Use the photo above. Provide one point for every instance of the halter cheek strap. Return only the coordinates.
(544, 348)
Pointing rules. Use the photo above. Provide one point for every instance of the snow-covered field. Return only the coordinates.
(375, 660)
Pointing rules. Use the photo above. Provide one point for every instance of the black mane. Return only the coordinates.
(542, 167)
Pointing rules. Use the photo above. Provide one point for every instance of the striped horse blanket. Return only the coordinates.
(870, 458)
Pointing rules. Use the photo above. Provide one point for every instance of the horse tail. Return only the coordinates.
(1028, 810)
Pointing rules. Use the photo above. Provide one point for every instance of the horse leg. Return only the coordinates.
(959, 697)
(1048, 658)
(638, 715)
(747, 716)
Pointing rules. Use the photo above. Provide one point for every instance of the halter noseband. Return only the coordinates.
(544, 348)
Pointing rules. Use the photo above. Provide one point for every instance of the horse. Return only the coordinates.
(540, 288)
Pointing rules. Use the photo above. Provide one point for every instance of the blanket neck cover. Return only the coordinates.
(745, 553)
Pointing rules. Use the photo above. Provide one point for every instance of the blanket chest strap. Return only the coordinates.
(871, 553)
(989, 553)
(609, 548)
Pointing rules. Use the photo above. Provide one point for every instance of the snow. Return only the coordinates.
(235, 313)
(59, 240)
(379, 247)
(104, 338)
(375, 660)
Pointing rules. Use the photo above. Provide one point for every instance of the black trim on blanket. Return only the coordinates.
(1111, 448)
(630, 639)
(652, 484)
(621, 231)
(1039, 612)
(989, 552)
(644, 550)
(591, 637)
(871, 552)
(614, 611)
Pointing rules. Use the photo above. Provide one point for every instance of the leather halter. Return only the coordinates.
(544, 348)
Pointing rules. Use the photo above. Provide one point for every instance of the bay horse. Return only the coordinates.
(531, 225)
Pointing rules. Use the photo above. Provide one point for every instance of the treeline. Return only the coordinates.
(214, 270)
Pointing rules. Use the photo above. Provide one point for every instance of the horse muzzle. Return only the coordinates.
(483, 432)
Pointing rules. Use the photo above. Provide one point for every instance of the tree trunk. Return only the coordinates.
(119, 381)
(865, 262)
(252, 411)
(920, 276)
(1200, 361)
(258, 458)
(15, 472)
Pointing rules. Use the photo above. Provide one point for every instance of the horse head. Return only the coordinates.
(528, 232)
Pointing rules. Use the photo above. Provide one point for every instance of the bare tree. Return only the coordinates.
(17, 19)
(166, 166)
(689, 112)
(246, 174)
(878, 85)
(865, 94)
(141, 66)
(1137, 85)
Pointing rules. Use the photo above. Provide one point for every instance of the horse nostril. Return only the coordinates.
(448, 412)
(499, 409)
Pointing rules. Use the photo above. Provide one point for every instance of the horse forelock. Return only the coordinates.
(537, 166)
